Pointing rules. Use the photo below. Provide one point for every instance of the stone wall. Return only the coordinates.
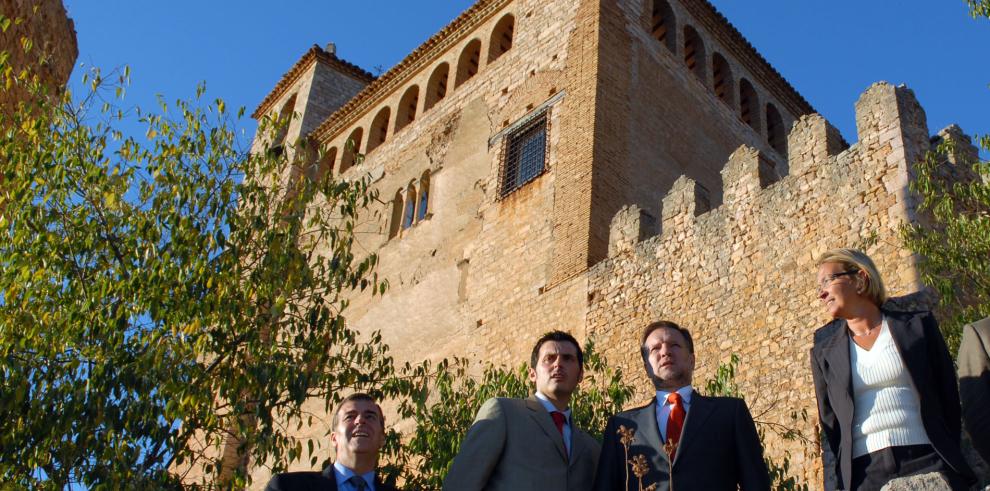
(52, 37)
(741, 276)
(631, 130)
(658, 120)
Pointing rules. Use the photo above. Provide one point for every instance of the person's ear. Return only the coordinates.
(862, 280)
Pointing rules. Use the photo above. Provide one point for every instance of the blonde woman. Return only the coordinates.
(887, 396)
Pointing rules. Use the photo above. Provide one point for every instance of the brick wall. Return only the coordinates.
(53, 38)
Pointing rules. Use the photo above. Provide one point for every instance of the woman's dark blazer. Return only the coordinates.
(927, 359)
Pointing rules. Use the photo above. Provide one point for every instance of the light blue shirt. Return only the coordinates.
(567, 423)
(343, 474)
(663, 407)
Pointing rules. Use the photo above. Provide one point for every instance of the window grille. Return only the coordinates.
(524, 154)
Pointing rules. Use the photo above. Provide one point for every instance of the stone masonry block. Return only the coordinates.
(630, 226)
(885, 112)
(744, 174)
(812, 139)
(681, 204)
(963, 151)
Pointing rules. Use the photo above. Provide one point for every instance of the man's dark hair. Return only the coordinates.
(559, 336)
(357, 396)
(653, 326)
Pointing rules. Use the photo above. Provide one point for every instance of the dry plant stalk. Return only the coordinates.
(638, 464)
(670, 448)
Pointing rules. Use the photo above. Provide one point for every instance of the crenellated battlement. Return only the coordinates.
(890, 124)
(741, 275)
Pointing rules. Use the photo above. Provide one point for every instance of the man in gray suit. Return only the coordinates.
(974, 384)
(532, 443)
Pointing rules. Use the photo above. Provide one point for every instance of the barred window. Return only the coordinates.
(525, 154)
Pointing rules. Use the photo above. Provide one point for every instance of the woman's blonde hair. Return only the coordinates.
(856, 260)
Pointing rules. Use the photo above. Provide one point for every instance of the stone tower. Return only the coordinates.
(52, 37)
(590, 165)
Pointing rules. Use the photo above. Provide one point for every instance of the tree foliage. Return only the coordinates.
(954, 236)
(723, 383)
(164, 297)
(979, 8)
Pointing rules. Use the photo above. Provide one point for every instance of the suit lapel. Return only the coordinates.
(907, 336)
(329, 474)
(648, 434)
(577, 447)
(543, 420)
(838, 372)
(701, 409)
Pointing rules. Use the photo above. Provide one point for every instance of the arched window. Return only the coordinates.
(281, 127)
(351, 147)
(379, 129)
(749, 105)
(501, 40)
(424, 196)
(694, 52)
(775, 130)
(662, 25)
(722, 79)
(409, 217)
(406, 113)
(393, 224)
(326, 162)
(467, 64)
(436, 88)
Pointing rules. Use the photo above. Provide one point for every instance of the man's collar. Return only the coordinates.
(685, 393)
(344, 473)
(550, 407)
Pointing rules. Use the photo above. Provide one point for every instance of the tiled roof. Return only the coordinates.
(730, 38)
(315, 54)
(745, 53)
(468, 19)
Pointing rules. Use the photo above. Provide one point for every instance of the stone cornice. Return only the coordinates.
(426, 53)
(733, 41)
(314, 55)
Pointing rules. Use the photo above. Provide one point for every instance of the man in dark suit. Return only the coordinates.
(531, 444)
(682, 440)
(358, 434)
(974, 384)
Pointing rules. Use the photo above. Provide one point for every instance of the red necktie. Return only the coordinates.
(559, 419)
(675, 422)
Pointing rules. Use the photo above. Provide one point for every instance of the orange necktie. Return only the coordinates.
(675, 422)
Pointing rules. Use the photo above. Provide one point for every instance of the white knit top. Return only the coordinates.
(887, 408)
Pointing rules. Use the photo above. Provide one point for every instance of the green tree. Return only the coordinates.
(166, 297)
(723, 383)
(954, 237)
(979, 8)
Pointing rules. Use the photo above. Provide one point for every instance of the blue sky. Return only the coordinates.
(831, 51)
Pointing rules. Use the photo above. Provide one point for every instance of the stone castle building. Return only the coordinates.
(40, 36)
(594, 165)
